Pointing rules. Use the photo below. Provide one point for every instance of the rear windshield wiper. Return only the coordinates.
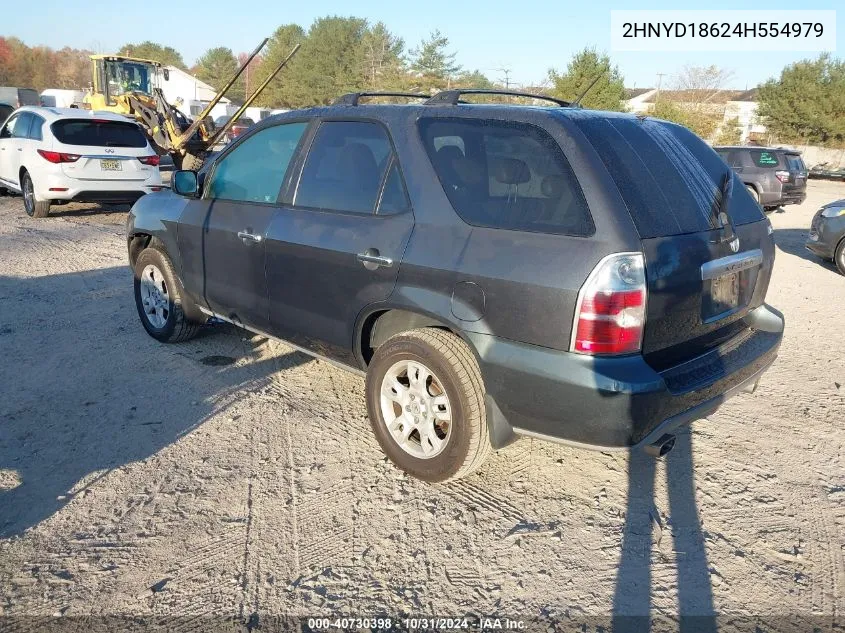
(723, 215)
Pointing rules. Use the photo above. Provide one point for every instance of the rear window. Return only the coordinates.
(795, 163)
(98, 133)
(763, 158)
(669, 178)
(506, 175)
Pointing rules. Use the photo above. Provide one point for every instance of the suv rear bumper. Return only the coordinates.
(782, 198)
(615, 403)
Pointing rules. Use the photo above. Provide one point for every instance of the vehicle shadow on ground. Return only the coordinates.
(792, 241)
(80, 210)
(643, 534)
(85, 390)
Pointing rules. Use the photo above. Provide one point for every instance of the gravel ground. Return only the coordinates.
(233, 476)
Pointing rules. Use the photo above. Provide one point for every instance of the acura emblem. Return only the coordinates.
(734, 244)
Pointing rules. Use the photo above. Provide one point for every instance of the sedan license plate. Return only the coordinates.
(110, 165)
(724, 293)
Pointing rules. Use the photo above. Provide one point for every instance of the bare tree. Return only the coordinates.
(705, 81)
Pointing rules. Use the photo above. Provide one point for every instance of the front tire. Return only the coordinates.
(159, 299)
(839, 257)
(425, 398)
(34, 208)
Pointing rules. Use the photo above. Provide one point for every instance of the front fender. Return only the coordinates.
(157, 215)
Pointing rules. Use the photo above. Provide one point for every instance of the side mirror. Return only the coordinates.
(184, 182)
(166, 74)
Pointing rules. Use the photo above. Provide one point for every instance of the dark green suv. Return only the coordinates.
(495, 271)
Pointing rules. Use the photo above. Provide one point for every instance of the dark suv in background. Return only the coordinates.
(495, 271)
(773, 176)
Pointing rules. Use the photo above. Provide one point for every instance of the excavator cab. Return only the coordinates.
(117, 77)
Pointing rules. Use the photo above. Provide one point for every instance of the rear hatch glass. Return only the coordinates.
(703, 275)
(668, 177)
(795, 163)
(98, 133)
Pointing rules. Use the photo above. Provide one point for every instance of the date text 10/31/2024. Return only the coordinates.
(417, 624)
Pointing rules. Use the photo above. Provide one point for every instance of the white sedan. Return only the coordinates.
(64, 154)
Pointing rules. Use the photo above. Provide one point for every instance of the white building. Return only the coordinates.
(743, 107)
(636, 99)
(192, 93)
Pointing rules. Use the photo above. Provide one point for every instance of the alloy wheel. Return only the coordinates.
(155, 296)
(416, 409)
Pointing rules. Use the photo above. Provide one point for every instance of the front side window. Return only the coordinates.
(254, 170)
(345, 167)
(6, 131)
(506, 175)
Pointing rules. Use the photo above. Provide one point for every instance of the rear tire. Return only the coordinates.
(839, 257)
(34, 208)
(159, 299)
(441, 434)
(753, 193)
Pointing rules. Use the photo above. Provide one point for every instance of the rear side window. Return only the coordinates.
(506, 175)
(255, 169)
(345, 167)
(763, 158)
(394, 197)
(35, 128)
(669, 178)
(98, 133)
(732, 158)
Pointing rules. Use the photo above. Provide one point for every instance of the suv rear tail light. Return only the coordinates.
(150, 160)
(58, 157)
(781, 175)
(610, 313)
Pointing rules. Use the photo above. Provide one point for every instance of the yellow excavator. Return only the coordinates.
(132, 87)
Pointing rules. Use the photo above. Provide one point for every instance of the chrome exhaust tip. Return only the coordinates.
(661, 447)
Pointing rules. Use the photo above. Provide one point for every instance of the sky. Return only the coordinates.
(527, 37)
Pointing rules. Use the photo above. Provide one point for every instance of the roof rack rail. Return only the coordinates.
(453, 97)
(352, 98)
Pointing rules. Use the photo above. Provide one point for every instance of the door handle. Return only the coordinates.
(20, 149)
(372, 259)
(249, 238)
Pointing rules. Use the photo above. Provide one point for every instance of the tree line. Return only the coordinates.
(806, 104)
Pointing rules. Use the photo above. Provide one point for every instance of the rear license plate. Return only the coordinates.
(110, 165)
(724, 294)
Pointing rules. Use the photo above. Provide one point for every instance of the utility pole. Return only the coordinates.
(507, 72)
(659, 81)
